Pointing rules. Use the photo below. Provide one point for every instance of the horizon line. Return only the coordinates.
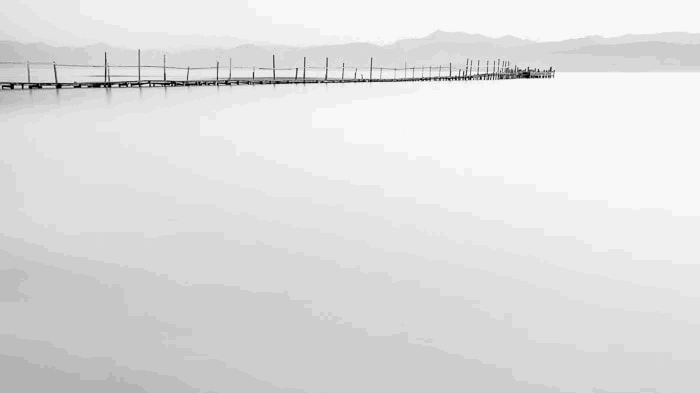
(340, 43)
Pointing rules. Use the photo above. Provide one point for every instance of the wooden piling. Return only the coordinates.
(499, 69)
(296, 74)
(230, 67)
(29, 74)
(139, 66)
(217, 71)
(304, 76)
(355, 73)
(105, 67)
(55, 74)
(188, 74)
(371, 66)
(478, 67)
(342, 75)
(450, 70)
(326, 69)
(405, 70)
(165, 77)
(274, 72)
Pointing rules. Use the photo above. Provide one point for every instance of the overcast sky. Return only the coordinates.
(159, 23)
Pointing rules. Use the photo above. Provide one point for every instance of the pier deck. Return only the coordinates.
(264, 81)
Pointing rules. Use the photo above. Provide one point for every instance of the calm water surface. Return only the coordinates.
(533, 236)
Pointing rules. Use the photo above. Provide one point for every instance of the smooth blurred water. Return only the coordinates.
(544, 227)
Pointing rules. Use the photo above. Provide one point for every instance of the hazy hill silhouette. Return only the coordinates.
(640, 52)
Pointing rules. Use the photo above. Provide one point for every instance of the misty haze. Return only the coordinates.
(408, 200)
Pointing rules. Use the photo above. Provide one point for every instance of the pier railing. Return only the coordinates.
(52, 74)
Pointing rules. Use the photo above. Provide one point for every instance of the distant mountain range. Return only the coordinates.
(640, 52)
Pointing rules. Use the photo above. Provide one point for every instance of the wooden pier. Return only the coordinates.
(467, 72)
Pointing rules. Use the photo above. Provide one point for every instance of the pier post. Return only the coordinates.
(450, 70)
(371, 66)
(139, 66)
(430, 72)
(253, 74)
(165, 77)
(478, 67)
(29, 74)
(342, 75)
(304, 75)
(105, 67)
(355, 73)
(413, 75)
(422, 71)
(230, 67)
(296, 74)
(499, 69)
(55, 74)
(405, 69)
(440, 72)
(274, 73)
(488, 62)
(217, 72)
(326, 69)
(188, 74)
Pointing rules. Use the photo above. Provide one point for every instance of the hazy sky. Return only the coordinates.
(163, 23)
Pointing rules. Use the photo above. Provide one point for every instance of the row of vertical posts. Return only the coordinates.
(499, 71)
(55, 73)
